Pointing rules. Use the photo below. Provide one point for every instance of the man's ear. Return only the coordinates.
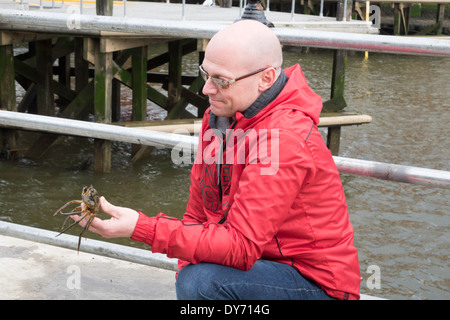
(267, 79)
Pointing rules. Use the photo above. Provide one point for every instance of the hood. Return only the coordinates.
(297, 95)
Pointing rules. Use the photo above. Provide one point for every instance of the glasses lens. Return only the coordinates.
(221, 83)
(203, 73)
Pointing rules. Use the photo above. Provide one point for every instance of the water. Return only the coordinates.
(401, 229)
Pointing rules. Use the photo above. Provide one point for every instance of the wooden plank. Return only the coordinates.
(330, 120)
(108, 44)
(17, 37)
(347, 120)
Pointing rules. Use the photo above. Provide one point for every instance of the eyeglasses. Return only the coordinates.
(224, 83)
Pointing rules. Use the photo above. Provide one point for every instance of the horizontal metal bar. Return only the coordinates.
(379, 170)
(394, 172)
(101, 248)
(87, 129)
(53, 22)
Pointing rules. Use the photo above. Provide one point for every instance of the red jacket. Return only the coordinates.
(278, 197)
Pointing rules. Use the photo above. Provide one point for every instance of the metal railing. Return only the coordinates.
(38, 21)
(24, 5)
(92, 246)
(379, 170)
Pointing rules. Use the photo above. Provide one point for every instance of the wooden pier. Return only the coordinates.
(73, 72)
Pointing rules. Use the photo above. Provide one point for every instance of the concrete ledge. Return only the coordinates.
(32, 270)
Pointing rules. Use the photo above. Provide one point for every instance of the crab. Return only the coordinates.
(90, 198)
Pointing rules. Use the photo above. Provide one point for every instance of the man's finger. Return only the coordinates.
(107, 207)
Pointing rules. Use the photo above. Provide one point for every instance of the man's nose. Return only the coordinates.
(209, 88)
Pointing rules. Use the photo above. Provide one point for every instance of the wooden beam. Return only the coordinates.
(337, 94)
(334, 140)
(7, 83)
(102, 105)
(44, 86)
(15, 37)
(7, 91)
(191, 125)
(338, 74)
(112, 44)
(174, 85)
(440, 15)
(76, 109)
(139, 89)
(177, 110)
(81, 66)
(139, 92)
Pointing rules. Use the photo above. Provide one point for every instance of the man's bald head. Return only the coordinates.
(247, 51)
(249, 43)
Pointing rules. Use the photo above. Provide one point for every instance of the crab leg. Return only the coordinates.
(74, 223)
(77, 210)
(67, 204)
(86, 227)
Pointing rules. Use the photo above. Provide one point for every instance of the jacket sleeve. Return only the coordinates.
(261, 204)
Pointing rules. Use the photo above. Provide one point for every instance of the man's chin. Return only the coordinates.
(220, 112)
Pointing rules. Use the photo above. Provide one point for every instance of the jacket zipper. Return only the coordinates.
(219, 167)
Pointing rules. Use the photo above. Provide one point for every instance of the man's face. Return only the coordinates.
(239, 95)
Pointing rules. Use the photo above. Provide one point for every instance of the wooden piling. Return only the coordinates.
(440, 14)
(102, 105)
(174, 85)
(337, 101)
(102, 93)
(402, 15)
(139, 95)
(7, 96)
(44, 85)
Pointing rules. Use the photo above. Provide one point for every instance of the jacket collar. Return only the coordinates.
(267, 96)
(263, 100)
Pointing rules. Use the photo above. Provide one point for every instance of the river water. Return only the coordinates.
(401, 230)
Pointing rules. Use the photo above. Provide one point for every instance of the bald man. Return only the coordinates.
(267, 217)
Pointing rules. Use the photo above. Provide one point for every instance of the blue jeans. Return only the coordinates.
(266, 280)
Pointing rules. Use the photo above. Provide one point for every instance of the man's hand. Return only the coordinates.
(121, 224)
